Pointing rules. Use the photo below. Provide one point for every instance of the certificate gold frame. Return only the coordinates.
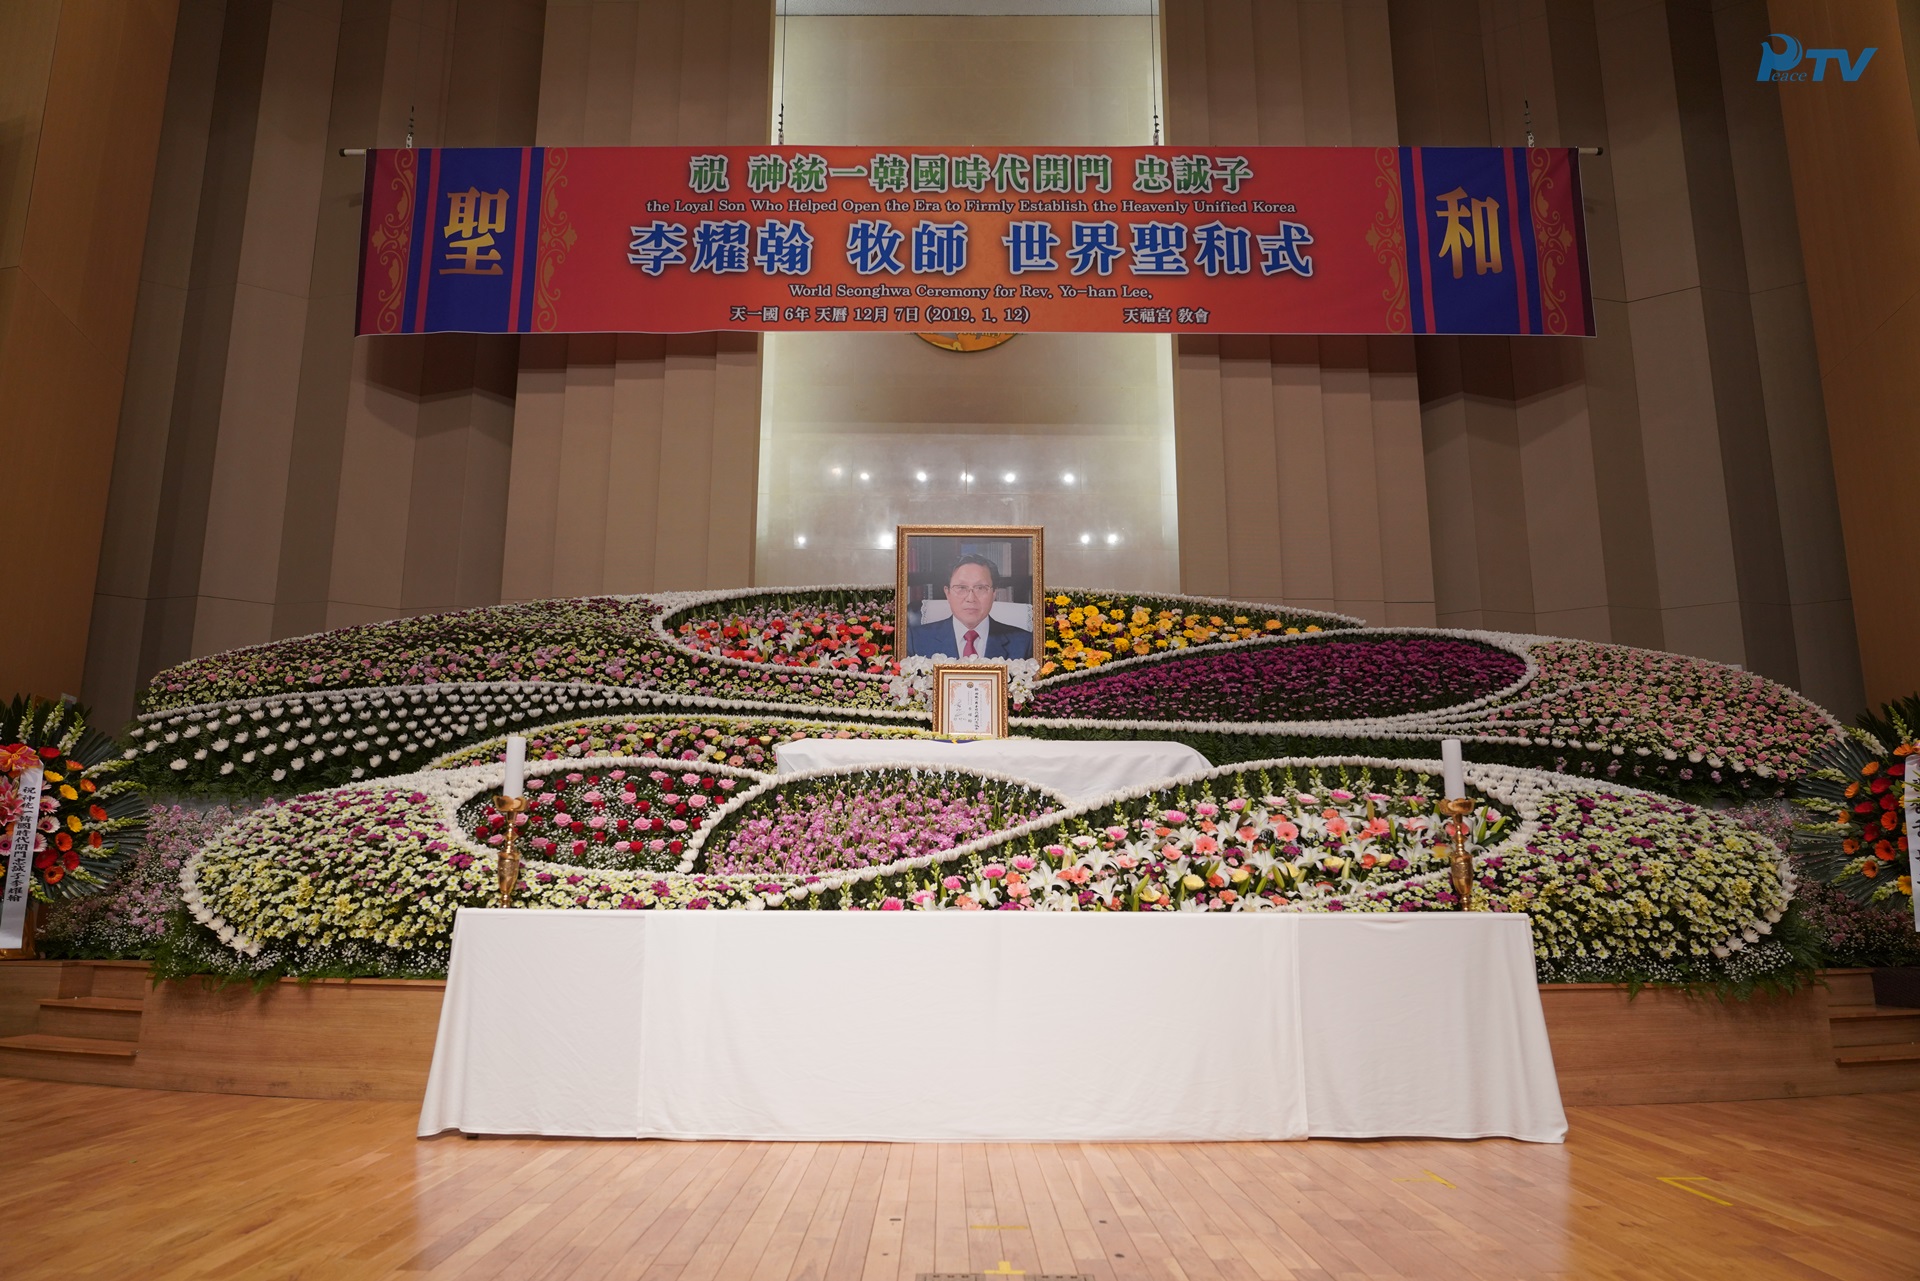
(1019, 552)
(951, 680)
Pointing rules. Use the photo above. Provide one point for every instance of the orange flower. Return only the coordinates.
(1870, 769)
(53, 875)
(62, 841)
(1869, 869)
(1883, 851)
(1850, 845)
(1890, 820)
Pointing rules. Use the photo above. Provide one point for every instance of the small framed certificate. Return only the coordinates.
(970, 700)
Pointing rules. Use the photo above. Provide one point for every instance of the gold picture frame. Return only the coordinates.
(924, 558)
(969, 700)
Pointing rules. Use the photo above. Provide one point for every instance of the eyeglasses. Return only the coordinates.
(953, 590)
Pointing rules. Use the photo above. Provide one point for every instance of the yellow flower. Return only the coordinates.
(1062, 601)
(66, 790)
(73, 822)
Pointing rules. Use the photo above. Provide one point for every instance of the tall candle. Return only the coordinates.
(1453, 769)
(516, 767)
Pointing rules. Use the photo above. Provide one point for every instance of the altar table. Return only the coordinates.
(992, 1026)
(1082, 770)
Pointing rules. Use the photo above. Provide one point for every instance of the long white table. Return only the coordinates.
(992, 1026)
(1079, 769)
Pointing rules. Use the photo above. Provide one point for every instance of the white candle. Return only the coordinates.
(1452, 768)
(516, 767)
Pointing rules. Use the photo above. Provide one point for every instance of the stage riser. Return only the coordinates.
(373, 1039)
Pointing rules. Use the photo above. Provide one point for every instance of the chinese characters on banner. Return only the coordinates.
(14, 897)
(1356, 240)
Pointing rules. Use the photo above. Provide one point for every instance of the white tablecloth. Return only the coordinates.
(991, 1026)
(1081, 770)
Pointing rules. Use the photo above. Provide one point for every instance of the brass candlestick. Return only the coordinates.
(512, 807)
(1459, 857)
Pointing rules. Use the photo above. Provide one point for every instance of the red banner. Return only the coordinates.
(1354, 240)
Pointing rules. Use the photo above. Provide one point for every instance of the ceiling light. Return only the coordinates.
(1067, 479)
(1112, 539)
(1085, 539)
(799, 540)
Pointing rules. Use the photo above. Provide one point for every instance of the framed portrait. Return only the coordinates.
(969, 591)
(969, 700)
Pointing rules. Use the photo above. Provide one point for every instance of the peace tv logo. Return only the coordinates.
(1783, 64)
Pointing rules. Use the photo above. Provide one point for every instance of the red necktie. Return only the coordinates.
(970, 651)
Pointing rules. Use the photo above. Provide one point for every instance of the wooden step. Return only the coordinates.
(1848, 988)
(1863, 1055)
(107, 1018)
(123, 980)
(82, 1046)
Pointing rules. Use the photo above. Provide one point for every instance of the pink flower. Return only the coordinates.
(951, 882)
(891, 904)
(1285, 830)
(993, 871)
(1024, 863)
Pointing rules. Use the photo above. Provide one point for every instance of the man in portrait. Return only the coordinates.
(972, 631)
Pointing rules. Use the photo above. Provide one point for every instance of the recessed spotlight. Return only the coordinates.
(799, 540)
(1085, 539)
(1112, 539)
(1067, 479)
(920, 476)
(966, 478)
(836, 471)
(1009, 478)
(865, 476)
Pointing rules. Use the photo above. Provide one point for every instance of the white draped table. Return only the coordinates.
(1079, 769)
(992, 1026)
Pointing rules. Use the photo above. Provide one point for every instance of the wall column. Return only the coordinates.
(81, 89)
(636, 458)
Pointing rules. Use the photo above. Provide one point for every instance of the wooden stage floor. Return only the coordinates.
(150, 1185)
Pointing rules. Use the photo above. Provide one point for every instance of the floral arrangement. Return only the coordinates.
(366, 880)
(1323, 679)
(1306, 848)
(1695, 721)
(128, 920)
(639, 818)
(1215, 672)
(1085, 630)
(913, 687)
(852, 627)
(1854, 834)
(808, 824)
(851, 630)
(91, 818)
(742, 742)
(1843, 929)
(1620, 884)
(591, 639)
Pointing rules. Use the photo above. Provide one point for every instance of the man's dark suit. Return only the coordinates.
(936, 640)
